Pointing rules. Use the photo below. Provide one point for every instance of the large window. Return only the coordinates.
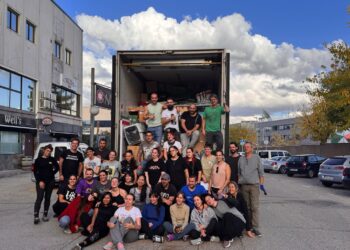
(12, 20)
(68, 57)
(57, 50)
(10, 142)
(67, 102)
(30, 31)
(16, 91)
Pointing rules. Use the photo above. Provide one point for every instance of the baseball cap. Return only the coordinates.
(165, 176)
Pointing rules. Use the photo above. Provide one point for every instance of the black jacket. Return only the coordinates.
(45, 169)
(241, 205)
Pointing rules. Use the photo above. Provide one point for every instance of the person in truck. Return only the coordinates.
(153, 115)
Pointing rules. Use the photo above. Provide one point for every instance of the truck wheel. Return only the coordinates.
(290, 174)
(310, 173)
(282, 170)
(326, 183)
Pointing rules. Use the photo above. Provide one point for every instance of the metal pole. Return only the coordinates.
(92, 117)
(113, 110)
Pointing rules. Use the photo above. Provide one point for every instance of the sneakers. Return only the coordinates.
(196, 242)
(67, 231)
(77, 247)
(36, 220)
(45, 218)
(108, 246)
(185, 238)
(170, 237)
(120, 246)
(227, 243)
(257, 232)
(214, 239)
(158, 239)
(142, 236)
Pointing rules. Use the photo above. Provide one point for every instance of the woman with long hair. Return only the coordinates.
(193, 166)
(220, 176)
(129, 165)
(154, 169)
(175, 167)
(128, 182)
(141, 192)
(112, 166)
(66, 193)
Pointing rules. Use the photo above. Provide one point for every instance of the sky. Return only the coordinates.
(274, 45)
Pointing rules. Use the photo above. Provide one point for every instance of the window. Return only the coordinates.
(274, 154)
(16, 91)
(12, 20)
(57, 50)
(30, 31)
(67, 101)
(10, 142)
(68, 57)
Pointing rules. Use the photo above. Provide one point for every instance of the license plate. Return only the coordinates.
(328, 178)
(293, 169)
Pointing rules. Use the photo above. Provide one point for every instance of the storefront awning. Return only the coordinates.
(18, 128)
(63, 134)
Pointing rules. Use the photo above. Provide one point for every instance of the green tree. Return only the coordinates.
(238, 132)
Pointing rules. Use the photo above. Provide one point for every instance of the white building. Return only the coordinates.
(40, 76)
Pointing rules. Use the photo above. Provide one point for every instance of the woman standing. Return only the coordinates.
(98, 228)
(175, 167)
(112, 166)
(45, 168)
(118, 194)
(125, 224)
(141, 192)
(220, 176)
(66, 193)
(154, 169)
(179, 213)
(193, 166)
(129, 165)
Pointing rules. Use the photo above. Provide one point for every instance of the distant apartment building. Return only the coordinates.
(40, 76)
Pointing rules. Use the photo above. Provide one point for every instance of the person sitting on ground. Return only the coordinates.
(129, 165)
(154, 169)
(166, 192)
(45, 168)
(153, 218)
(205, 220)
(98, 229)
(175, 167)
(92, 161)
(220, 176)
(101, 186)
(141, 192)
(169, 143)
(66, 193)
(234, 198)
(118, 194)
(208, 161)
(179, 213)
(193, 166)
(124, 225)
(231, 222)
(112, 166)
(128, 182)
(192, 189)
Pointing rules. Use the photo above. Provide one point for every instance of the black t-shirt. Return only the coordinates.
(190, 121)
(233, 163)
(165, 193)
(45, 169)
(154, 170)
(176, 170)
(68, 193)
(103, 216)
(194, 168)
(71, 163)
(126, 187)
(128, 167)
(104, 154)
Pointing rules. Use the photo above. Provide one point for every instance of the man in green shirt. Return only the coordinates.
(211, 122)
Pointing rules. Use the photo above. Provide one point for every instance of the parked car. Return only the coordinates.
(58, 149)
(276, 164)
(307, 164)
(268, 154)
(332, 170)
(346, 178)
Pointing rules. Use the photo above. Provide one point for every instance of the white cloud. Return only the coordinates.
(264, 75)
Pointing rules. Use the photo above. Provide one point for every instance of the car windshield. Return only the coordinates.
(335, 161)
(264, 154)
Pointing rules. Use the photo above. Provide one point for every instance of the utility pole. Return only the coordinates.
(92, 116)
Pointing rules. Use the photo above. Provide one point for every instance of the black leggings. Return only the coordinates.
(95, 235)
(40, 193)
(147, 230)
(229, 227)
(209, 230)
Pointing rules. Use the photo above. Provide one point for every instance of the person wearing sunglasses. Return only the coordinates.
(220, 176)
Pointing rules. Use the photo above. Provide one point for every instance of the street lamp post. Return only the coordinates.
(94, 110)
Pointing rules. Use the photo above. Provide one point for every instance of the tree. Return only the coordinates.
(330, 96)
(238, 132)
(277, 140)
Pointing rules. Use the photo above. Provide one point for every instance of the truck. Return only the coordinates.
(188, 76)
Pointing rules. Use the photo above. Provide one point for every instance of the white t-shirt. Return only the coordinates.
(93, 164)
(176, 144)
(122, 214)
(173, 124)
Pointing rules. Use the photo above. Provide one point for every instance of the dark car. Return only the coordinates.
(307, 164)
(346, 178)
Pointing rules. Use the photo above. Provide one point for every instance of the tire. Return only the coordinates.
(282, 170)
(290, 174)
(310, 173)
(326, 183)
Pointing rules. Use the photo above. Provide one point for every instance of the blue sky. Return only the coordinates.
(303, 23)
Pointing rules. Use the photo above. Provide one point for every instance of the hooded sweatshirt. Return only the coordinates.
(203, 217)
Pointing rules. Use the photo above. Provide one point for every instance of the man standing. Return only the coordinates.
(232, 160)
(250, 176)
(189, 127)
(145, 149)
(211, 125)
(153, 113)
(170, 118)
(71, 161)
(192, 189)
(102, 151)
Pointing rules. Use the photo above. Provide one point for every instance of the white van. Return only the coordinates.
(58, 149)
(268, 154)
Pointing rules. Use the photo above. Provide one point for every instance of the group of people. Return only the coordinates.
(167, 192)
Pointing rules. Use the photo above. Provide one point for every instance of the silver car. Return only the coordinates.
(332, 170)
(276, 164)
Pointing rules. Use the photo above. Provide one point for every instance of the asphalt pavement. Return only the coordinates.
(297, 213)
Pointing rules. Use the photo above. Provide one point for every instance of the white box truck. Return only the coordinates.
(185, 75)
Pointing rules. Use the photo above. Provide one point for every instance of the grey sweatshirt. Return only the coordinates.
(222, 208)
(203, 217)
(250, 170)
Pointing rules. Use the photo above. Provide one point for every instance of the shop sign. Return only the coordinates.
(103, 97)
(46, 121)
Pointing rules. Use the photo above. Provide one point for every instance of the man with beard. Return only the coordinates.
(232, 160)
(191, 190)
(153, 115)
(189, 127)
(170, 117)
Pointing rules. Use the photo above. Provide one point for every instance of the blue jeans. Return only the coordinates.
(64, 221)
(157, 133)
(169, 228)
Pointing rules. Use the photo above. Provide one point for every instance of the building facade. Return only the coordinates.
(40, 76)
